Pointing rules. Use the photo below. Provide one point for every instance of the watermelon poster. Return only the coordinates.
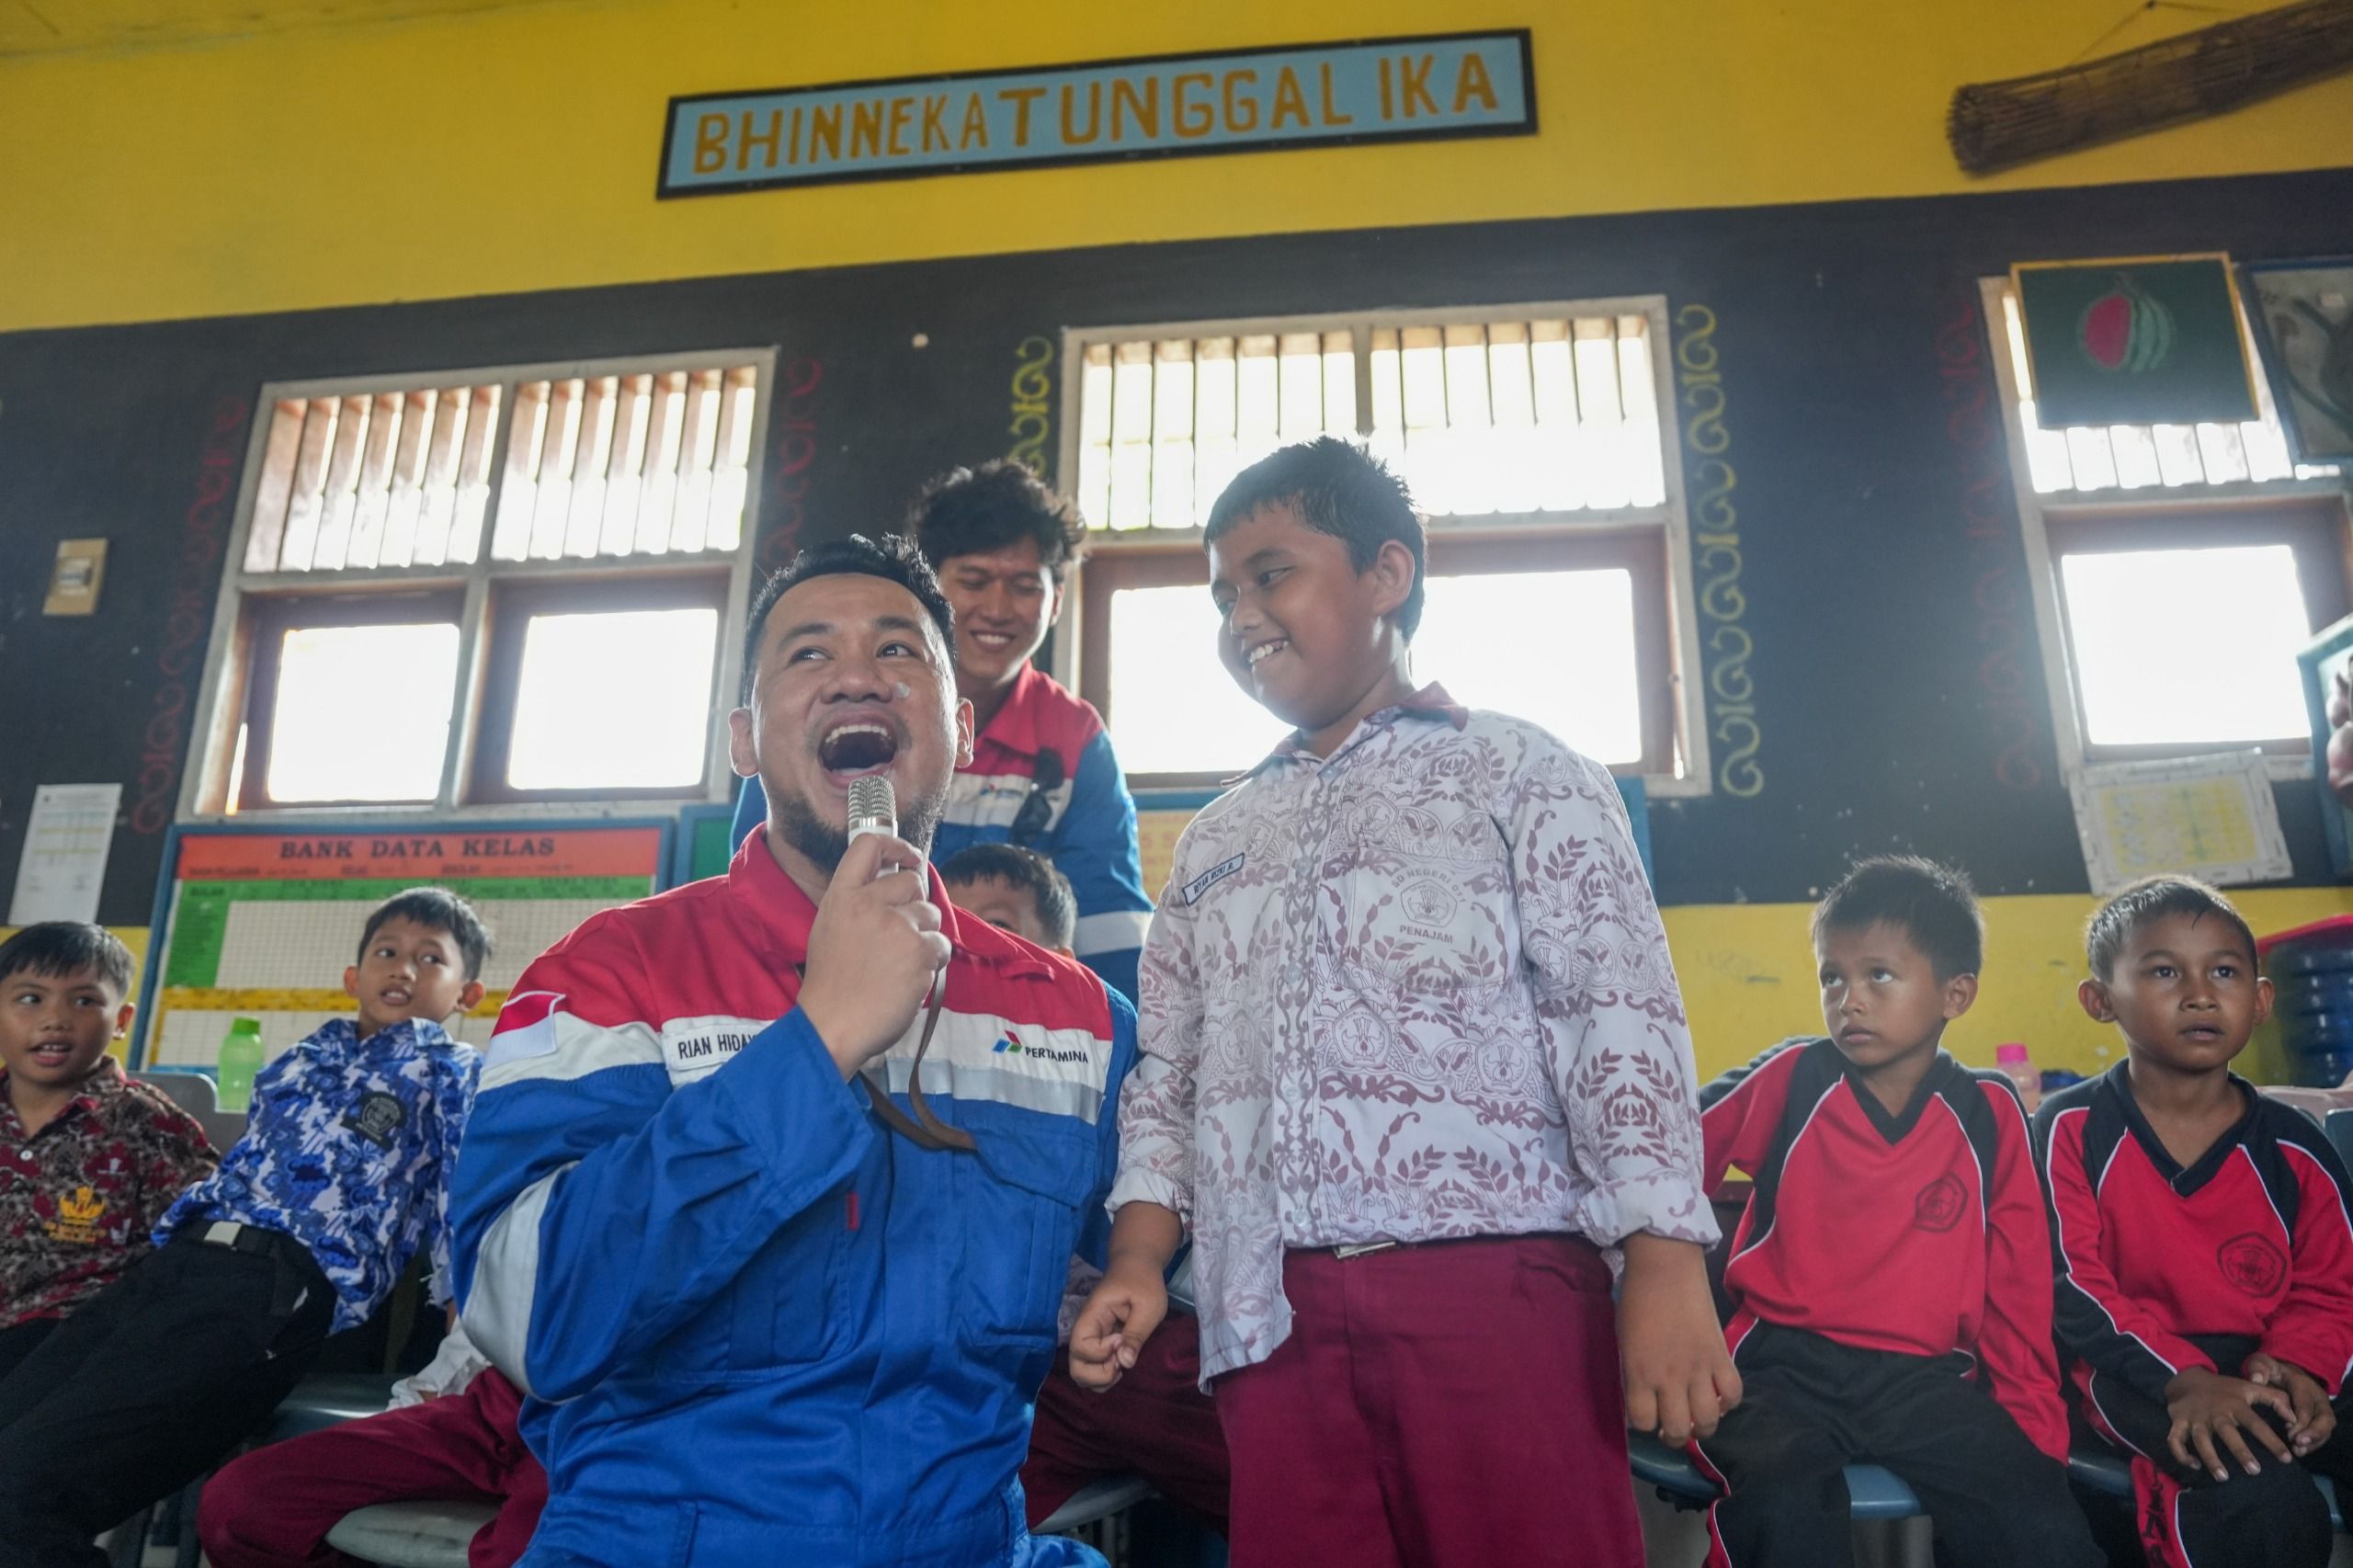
(2141, 340)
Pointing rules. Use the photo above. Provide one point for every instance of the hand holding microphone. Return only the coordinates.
(875, 948)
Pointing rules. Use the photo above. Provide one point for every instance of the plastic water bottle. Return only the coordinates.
(239, 1060)
(2012, 1062)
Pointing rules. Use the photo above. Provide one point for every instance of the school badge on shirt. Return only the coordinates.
(78, 1216)
(376, 1118)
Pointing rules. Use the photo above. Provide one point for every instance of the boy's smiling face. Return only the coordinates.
(409, 970)
(2185, 991)
(1304, 632)
(53, 1027)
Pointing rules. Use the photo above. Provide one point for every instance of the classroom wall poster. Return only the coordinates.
(2137, 340)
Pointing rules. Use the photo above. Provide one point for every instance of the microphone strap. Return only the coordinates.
(924, 1129)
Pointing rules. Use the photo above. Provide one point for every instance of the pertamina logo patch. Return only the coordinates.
(1010, 1044)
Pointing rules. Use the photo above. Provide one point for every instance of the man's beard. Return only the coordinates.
(824, 844)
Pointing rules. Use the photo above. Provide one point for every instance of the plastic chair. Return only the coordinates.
(411, 1535)
(436, 1535)
(196, 1094)
(2338, 1125)
(1873, 1492)
(2098, 1469)
(1097, 1500)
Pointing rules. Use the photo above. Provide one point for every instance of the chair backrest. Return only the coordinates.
(2338, 1125)
(195, 1094)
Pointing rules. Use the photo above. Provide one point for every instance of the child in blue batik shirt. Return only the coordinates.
(342, 1177)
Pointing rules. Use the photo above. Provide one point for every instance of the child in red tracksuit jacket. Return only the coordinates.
(2206, 1285)
(1891, 1275)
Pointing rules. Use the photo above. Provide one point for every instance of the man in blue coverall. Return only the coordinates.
(772, 1230)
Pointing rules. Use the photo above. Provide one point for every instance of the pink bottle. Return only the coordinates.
(2012, 1062)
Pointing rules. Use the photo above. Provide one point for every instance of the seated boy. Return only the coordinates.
(1156, 1423)
(310, 1218)
(2205, 1285)
(1891, 1275)
(89, 1160)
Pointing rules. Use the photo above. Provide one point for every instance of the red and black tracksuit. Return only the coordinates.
(2164, 1267)
(1891, 1286)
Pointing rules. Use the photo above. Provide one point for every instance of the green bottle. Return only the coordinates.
(239, 1060)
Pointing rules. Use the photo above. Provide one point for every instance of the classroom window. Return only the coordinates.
(2175, 569)
(1531, 438)
(488, 589)
(2182, 628)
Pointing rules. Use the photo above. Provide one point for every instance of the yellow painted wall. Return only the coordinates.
(515, 150)
(1747, 970)
(1748, 976)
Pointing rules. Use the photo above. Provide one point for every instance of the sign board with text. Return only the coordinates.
(1162, 107)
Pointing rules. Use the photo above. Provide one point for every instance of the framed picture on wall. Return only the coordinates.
(2302, 313)
(2324, 662)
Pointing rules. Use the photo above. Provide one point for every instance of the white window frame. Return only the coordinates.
(1670, 518)
(212, 739)
(2069, 730)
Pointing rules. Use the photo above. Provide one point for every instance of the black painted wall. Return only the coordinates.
(1894, 684)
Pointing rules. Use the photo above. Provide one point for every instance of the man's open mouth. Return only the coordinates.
(859, 746)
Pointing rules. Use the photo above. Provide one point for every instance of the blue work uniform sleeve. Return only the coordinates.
(595, 1209)
(1094, 846)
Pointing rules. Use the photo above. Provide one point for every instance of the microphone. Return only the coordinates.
(873, 809)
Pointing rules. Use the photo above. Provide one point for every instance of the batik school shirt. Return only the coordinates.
(349, 1152)
(1920, 1232)
(2251, 1240)
(1411, 991)
(79, 1198)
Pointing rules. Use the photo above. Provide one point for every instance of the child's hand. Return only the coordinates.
(1127, 1304)
(1679, 1380)
(2213, 1414)
(2315, 1417)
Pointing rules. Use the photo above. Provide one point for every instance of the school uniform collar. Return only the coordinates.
(95, 1099)
(1014, 726)
(1430, 702)
(2183, 1179)
(1896, 1126)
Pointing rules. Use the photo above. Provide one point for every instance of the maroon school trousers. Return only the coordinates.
(1456, 1404)
(1156, 1423)
(272, 1508)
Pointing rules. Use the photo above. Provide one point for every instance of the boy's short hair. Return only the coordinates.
(973, 511)
(1025, 869)
(1932, 905)
(2150, 900)
(1342, 489)
(55, 949)
(893, 557)
(437, 909)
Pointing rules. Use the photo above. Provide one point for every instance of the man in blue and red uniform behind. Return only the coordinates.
(1042, 775)
(769, 1228)
(1891, 1275)
(2206, 1291)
